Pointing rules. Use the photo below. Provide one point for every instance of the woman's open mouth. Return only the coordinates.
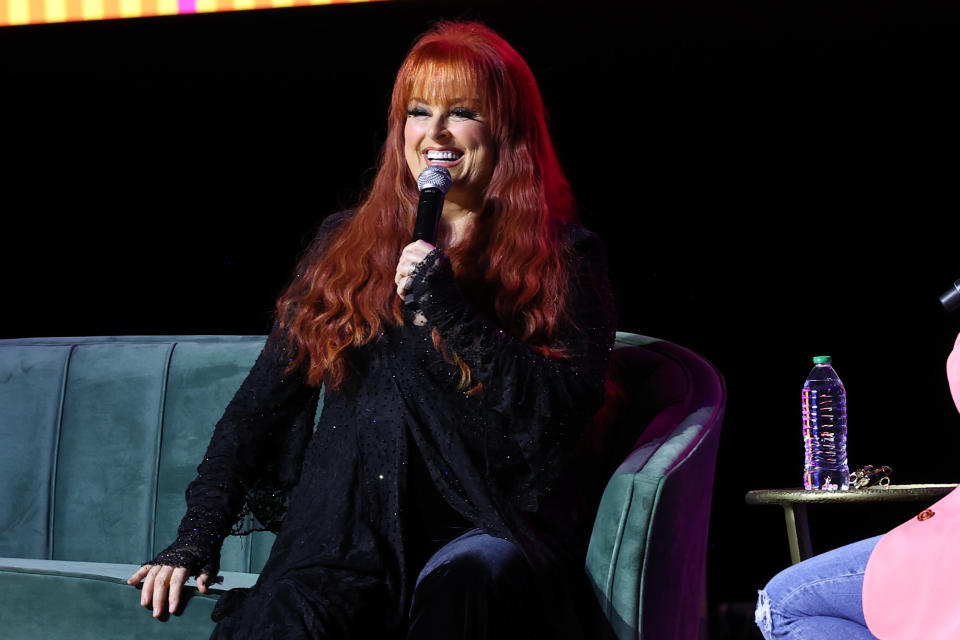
(443, 157)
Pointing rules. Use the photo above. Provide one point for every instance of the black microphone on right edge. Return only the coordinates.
(433, 182)
(951, 298)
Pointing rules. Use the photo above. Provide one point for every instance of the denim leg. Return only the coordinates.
(475, 587)
(818, 598)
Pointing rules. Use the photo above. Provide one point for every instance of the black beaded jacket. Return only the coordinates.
(338, 494)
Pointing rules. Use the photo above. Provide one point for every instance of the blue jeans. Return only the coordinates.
(818, 598)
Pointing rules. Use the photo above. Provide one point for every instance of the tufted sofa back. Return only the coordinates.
(100, 437)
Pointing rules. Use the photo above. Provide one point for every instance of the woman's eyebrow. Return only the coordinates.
(475, 102)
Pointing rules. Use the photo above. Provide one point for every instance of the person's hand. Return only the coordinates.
(161, 580)
(410, 257)
(953, 372)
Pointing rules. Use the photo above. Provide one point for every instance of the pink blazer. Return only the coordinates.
(910, 590)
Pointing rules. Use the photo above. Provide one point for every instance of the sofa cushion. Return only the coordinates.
(31, 386)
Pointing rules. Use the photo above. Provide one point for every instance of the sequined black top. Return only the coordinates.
(353, 526)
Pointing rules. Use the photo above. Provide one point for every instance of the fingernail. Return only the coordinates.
(156, 612)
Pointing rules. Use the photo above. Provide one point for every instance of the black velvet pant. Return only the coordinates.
(472, 586)
(475, 587)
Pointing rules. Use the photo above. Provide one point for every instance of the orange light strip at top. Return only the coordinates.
(15, 12)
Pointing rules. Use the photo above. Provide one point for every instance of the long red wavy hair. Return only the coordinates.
(512, 265)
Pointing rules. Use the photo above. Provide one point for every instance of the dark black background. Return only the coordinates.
(771, 185)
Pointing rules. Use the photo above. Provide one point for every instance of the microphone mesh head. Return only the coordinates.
(434, 177)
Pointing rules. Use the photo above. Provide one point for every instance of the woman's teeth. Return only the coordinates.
(443, 155)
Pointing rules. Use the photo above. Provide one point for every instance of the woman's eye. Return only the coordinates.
(463, 112)
(417, 112)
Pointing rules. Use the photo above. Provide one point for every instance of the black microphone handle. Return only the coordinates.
(428, 219)
(428, 215)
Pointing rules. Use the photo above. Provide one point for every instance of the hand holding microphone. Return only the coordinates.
(433, 182)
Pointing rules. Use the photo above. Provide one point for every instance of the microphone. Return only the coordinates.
(951, 297)
(434, 182)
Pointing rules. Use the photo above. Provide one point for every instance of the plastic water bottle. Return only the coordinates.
(825, 429)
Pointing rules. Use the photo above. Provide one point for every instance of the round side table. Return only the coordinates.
(795, 501)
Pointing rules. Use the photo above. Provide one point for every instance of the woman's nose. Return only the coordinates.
(438, 129)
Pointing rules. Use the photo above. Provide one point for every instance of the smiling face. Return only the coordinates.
(451, 133)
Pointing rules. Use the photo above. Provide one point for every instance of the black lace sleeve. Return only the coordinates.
(544, 401)
(256, 446)
(254, 456)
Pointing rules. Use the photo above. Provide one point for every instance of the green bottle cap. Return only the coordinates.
(822, 359)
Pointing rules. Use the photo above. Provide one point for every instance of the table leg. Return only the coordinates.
(798, 532)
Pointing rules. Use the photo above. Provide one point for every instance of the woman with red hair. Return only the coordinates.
(430, 500)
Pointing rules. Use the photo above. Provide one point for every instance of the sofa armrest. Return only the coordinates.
(80, 600)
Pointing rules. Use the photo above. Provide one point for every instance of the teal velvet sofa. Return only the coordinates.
(99, 437)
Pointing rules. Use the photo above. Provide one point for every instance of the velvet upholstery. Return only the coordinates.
(99, 437)
(647, 554)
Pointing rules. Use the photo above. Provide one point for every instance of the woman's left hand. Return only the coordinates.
(410, 257)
